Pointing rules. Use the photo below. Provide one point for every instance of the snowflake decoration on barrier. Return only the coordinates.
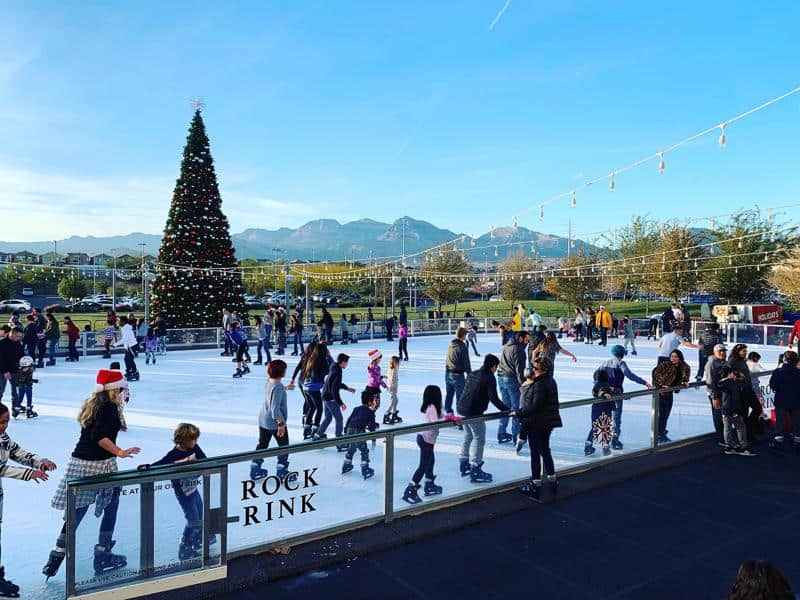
(603, 429)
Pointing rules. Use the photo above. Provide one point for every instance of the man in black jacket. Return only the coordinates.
(479, 389)
(10, 353)
(714, 393)
(708, 339)
(456, 367)
(327, 324)
(510, 376)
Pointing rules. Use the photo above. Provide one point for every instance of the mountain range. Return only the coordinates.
(327, 239)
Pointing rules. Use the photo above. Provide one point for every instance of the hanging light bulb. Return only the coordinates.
(730, 260)
(541, 212)
(491, 231)
(514, 225)
(770, 216)
(740, 243)
(661, 165)
(722, 138)
(695, 263)
(495, 251)
(533, 248)
(611, 183)
(686, 254)
(574, 201)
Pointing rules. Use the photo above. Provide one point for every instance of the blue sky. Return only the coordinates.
(379, 109)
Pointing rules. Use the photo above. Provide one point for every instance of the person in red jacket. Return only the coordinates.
(73, 335)
(795, 333)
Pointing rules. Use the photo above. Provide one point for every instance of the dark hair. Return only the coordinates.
(520, 336)
(760, 580)
(123, 319)
(679, 353)
(276, 369)
(257, 319)
(114, 366)
(545, 364)
(791, 357)
(490, 360)
(368, 396)
(724, 371)
(3, 409)
(736, 350)
(713, 326)
(602, 376)
(342, 358)
(754, 356)
(432, 396)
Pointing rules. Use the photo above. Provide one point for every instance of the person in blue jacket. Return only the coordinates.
(617, 370)
(239, 341)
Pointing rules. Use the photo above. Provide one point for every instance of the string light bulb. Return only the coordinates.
(740, 243)
(574, 201)
(722, 139)
(661, 164)
(541, 211)
(611, 183)
(514, 224)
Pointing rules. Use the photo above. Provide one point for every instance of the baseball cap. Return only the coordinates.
(719, 347)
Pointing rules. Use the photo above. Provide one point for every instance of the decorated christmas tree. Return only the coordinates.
(196, 275)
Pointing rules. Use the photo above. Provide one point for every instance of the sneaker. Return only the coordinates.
(746, 452)
(731, 450)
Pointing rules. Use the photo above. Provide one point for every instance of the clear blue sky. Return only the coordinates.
(378, 109)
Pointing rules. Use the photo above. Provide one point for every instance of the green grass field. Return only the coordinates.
(482, 309)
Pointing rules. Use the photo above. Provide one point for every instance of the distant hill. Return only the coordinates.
(322, 239)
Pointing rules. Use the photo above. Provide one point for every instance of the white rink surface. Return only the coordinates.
(196, 386)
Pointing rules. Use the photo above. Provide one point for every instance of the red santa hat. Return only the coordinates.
(374, 354)
(108, 380)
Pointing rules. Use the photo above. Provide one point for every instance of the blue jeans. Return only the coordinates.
(22, 392)
(454, 384)
(3, 382)
(51, 349)
(509, 392)
(617, 418)
(192, 506)
(268, 336)
(298, 339)
(332, 411)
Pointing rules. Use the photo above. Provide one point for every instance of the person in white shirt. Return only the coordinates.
(672, 341)
(129, 342)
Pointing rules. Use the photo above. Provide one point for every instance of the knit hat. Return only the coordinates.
(374, 354)
(618, 351)
(108, 380)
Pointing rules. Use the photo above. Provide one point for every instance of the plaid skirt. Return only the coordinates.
(79, 468)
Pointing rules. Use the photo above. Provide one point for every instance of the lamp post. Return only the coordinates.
(55, 253)
(142, 245)
(114, 281)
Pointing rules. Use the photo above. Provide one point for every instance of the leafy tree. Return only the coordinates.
(517, 284)
(671, 269)
(72, 288)
(785, 276)
(751, 258)
(640, 238)
(196, 235)
(573, 278)
(440, 270)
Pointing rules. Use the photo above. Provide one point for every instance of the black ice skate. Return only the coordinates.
(477, 475)
(256, 472)
(347, 466)
(463, 467)
(8, 589)
(387, 419)
(533, 490)
(367, 471)
(187, 551)
(396, 419)
(431, 489)
(105, 560)
(410, 495)
(15, 411)
(53, 563)
(284, 474)
(238, 374)
(31, 414)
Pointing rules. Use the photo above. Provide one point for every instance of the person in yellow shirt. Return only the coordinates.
(602, 320)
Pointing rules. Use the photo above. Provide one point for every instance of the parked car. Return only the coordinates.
(85, 306)
(27, 291)
(9, 306)
(57, 308)
(495, 298)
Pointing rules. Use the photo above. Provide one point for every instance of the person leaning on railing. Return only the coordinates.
(714, 393)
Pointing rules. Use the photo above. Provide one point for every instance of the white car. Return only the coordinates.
(15, 305)
(495, 298)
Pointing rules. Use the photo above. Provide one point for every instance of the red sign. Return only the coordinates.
(767, 313)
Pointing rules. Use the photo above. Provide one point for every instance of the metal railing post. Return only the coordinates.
(146, 527)
(735, 332)
(765, 335)
(654, 419)
(70, 541)
(217, 331)
(411, 327)
(85, 343)
(388, 479)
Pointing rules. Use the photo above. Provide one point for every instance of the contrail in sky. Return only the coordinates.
(499, 15)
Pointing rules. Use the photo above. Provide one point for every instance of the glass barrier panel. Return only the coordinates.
(778, 335)
(111, 521)
(316, 495)
(684, 414)
(749, 334)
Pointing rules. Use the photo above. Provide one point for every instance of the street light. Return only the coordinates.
(142, 245)
(114, 280)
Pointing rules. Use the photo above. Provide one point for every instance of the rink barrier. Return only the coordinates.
(768, 334)
(214, 473)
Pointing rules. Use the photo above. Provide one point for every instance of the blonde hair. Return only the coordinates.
(93, 403)
(185, 432)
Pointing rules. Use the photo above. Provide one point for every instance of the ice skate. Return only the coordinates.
(246, 369)
(504, 438)
(395, 419)
(387, 419)
(284, 474)
(477, 475)
(552, 482)
(533, 490)
(31, 414)
(105, 560)
(463, 467)
(410, 495)
(588, 449)
(187, 551)
(616, 444)
(238, 374)
(347, 466)
(53, 563)
(256, 471)
(367, 471)
(15, 411)
(431, 489)
(8, 589)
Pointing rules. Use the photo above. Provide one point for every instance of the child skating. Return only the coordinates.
(391, 415)
(432, 409)
(361, 419)
(239, 341)
(25, 381)
(375, 381)
(150, 346)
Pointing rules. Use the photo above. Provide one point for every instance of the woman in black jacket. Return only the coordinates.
(539, 415)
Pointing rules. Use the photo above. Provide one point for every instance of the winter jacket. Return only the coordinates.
(128, 337)
(457, 360)
(73, 333)
(316, 379)
(628, 328)
(30, 337)
(480, 389)
(333, 385)
(10, 353)
(538, 406)
(392, 381)
(785, 382)
(731, 395)
(274, 410)
(739, 366)
(52, 331)
(25, 377)
(236, 337)
(712, 377)
(327, 320)
(431, 416)
(361, 419)
(9, 449)
(402, 331)
(188, 485)
(669, 375)
(512, 361)
(617, 370)
(374, 376)
(602, 319)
